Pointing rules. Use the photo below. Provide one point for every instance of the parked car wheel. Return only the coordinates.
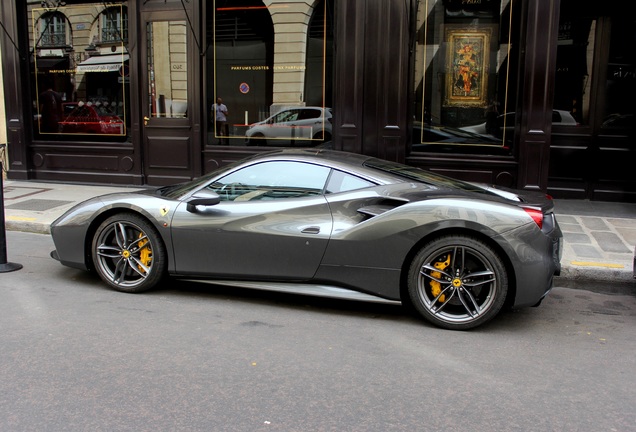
(128, 253)
(457, 282)
(257, 139)
(322, 136)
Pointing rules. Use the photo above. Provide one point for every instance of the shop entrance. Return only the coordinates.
(595, 157)
(166, 106)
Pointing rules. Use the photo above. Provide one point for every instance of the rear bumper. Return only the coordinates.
(536, 259)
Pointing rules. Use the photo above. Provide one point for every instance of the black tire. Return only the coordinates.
(457, 282)
(258, 139)
(128, 253)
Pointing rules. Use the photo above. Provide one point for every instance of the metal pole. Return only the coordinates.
(4, 265)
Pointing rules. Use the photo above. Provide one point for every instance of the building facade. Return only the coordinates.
(528, 94)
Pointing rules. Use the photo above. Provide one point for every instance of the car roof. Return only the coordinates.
(327, 155)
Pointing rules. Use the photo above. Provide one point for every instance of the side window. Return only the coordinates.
(342, 182)
(272, 180)
(285, 116)
(307, 114)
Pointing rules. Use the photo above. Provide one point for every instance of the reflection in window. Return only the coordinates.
(272, 180)
(79, 78)
(463, 76)
(265, 60)
(115, 24)
(575, 48)
(167, 69)
(53, 29)
(343, 182)
(619, 110)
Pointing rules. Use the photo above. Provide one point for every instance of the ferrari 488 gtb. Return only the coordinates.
(324, 222)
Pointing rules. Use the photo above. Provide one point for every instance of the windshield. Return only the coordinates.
(178, 190)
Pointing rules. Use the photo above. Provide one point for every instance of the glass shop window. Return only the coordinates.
(167, 69)
(465, 70)
(79, 71)
(580, 30)
(269, 72)
(618, 115)
(575, 59)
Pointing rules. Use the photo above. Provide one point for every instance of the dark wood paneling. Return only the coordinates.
(372, 73)
(538, 66)
(103, 163)
(15, 54)
(479, 169)
(86, 162)
(349, 75)
(169, 153)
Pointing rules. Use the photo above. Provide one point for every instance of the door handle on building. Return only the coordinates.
(146, 121)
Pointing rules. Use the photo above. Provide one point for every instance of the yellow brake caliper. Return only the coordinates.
(145, 253)
(436, 288)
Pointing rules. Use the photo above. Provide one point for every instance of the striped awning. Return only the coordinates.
(105, 63)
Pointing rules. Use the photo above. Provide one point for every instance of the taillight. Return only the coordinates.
(536, 215)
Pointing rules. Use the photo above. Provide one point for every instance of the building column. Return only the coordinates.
(291, 21)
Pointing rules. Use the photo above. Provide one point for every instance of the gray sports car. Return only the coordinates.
(324, 222)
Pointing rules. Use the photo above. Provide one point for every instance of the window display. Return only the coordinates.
(80, 76)
(465, 57)
(271, 64)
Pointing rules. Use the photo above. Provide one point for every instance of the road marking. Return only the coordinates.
(596, 264)
(18, 218)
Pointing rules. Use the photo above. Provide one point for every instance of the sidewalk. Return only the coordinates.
(599, 237)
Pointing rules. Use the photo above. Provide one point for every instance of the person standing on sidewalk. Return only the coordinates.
(219, 111)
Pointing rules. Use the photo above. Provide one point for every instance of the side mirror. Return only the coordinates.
(204, 197)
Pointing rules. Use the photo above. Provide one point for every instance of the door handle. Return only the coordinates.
(311, 230)
(146, 121)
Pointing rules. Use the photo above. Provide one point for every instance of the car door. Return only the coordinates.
(281, 124)
(310, 122)
(273, 221)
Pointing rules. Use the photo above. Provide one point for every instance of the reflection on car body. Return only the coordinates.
(292, 124)
(324, 222)
(88, 118)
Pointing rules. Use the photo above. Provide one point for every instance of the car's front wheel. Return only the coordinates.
(457, 282)
(128, 253)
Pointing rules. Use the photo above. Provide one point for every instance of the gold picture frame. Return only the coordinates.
(467, 66)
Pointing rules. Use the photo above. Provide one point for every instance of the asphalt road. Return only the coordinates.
(76, 356)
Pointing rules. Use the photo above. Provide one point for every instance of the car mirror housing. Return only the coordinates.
(203, 197)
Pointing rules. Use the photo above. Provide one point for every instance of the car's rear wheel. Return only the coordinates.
(128, 253)
(457, 282)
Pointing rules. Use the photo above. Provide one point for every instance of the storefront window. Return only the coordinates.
(271, 66)
(167, 69)
(620, 86)
(79, 81)
(465, 63)
(575, 56)
(580, 30)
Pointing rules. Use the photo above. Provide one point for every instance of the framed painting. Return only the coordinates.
(467, 66)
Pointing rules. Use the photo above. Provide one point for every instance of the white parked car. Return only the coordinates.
(288, 125)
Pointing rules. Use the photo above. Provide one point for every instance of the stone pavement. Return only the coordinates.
(599, 237)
